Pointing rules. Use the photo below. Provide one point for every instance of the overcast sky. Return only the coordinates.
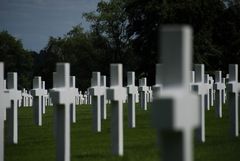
(33, 21)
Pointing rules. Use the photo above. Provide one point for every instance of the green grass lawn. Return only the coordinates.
(37, 143)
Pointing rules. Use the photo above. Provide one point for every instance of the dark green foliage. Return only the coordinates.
(16, 59)
(134, 24)
(127, 32)
(227, 35)
(145, 18)
(108, 24)
(76, 48)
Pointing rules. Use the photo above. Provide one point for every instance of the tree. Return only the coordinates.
(110, 21)
(227, 35)
(145, 18)
(76, 48)
(16, 59)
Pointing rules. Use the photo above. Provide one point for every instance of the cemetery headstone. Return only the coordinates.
(224, 91)
(45, 93)
(96, 91)
(73, 105)
(103, 98)
(233, 98)
(208, 86)
(37, 93)
(89, 97)
(149, 92)
(143, 92)
(5, 103)
(158, 82)
(132, 92)
(12, 112)
(116, 94)
(176, 113)
(211, 82)
(202, 90)
(219, 86)
(62, 98)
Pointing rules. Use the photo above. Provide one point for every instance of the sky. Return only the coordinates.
(33, 21)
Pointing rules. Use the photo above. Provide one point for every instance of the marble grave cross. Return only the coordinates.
(116, 94)
(12, 112)
(233, 94)
(38, 93)
(96, 91)
(219, 87)
(143, 93)
(63, 98)
(202, 90)
(5, 103)
(176, 113)
(132, 92)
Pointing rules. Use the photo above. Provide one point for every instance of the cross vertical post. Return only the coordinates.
(5, 103)
(12, 112)
(62, 97)
(96, 91)
(116, 94)
(73, 105)
(37, 93)
(176, 113)
(44, 98)
(219, 87)
(211, 82)
(131, 91)
(201, 89)
(103, 98)
(143, 93)
(208, 86)
(233, 94)
(158, 82)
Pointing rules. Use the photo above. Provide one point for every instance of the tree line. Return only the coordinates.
(126, 31)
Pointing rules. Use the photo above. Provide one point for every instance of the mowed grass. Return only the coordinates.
(140, 143)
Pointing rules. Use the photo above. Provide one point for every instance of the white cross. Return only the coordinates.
(224, 91)
(85, 98)
(176, 113)
(219, 87)
(143, 92)
(63, 97)
(49, 100)
(81, 97)
(192, 81)
(30, 98)
(193, 77)
(132, 92)
(24, 97)
(158, 82)
(211, 82)
(233, 90)
(75, 92)
(201, 89)
(208, 86)
(225, 81)
(116, 94)
(227, 76)
(12, 112)
(103, 98)
(96, 91)
(44, 97)
(149, 92)
(5, 103)
(77, 98)
(37, 92)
